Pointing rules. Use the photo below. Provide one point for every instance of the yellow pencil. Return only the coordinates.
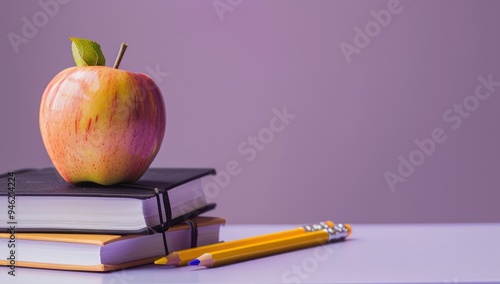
(182, 257)
(270, 247)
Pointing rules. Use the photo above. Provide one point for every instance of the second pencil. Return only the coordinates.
(182, 257)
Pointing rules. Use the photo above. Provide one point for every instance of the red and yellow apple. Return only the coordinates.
(101, 124)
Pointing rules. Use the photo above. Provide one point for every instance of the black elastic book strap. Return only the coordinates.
(164, 225)
(193, 226)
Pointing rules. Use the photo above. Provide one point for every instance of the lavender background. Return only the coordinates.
(353, 119)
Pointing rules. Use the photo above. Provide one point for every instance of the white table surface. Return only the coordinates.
(419, 253)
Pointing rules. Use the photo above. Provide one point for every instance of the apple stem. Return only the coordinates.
(123, 47)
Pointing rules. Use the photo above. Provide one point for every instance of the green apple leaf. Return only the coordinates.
(87, 52)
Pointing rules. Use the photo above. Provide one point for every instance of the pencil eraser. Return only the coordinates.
(348, 229)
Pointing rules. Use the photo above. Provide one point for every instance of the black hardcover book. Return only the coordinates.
(39, 200)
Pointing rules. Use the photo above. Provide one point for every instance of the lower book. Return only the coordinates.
(89, 252)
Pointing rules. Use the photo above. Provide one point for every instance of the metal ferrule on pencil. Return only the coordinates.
(338, 232)
(316, 227)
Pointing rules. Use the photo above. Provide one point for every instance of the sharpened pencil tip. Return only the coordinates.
(194, 262)
(162, 260)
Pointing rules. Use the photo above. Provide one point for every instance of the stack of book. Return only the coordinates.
(49, 223)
